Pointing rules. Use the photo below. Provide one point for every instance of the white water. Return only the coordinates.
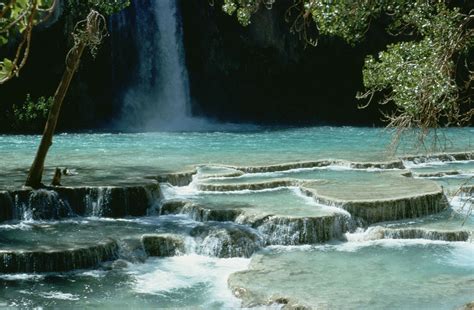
(159, 98)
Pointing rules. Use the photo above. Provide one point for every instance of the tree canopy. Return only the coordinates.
(419, 73)
(18, 18)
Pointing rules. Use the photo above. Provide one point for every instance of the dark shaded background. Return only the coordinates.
(261, 73)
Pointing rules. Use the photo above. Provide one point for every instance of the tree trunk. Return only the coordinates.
(72, 62)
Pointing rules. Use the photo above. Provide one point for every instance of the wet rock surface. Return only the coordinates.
(247, 186)
(373, 211)
(178, 178)
(414, 233)
(64, 202)
(227, 240)
(163, 245)
(56, 259)
(444, 157)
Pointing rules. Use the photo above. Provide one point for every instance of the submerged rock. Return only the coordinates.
(394, 164)
(57, 260)
(162, 245)
(439, 174)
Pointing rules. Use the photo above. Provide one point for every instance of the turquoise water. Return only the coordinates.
(157, 283)
(106, 157)
(375, 274)
(387, 274)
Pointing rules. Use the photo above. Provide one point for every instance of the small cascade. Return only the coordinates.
(380, 232)
(97, 201)
(295, 230)
(118, 202)
(63, 202)
(41, 205)
(132, 250)
(373, 211)
(226, 240)
(197, 212)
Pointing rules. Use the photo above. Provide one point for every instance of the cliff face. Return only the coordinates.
(261, 73)
(265, 73)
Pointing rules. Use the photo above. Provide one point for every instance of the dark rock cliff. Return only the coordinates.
(261, 73)
(264, 73)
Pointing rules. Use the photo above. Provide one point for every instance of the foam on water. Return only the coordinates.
(165, 275)
(462, 255)
(312, 202)
(59, 295)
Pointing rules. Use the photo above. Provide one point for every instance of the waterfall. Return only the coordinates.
(157, 95)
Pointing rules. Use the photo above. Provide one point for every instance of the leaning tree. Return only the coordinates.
(17, 21)
(88, 33)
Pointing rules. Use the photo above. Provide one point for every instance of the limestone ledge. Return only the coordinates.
(446, 157)
(57, 260)
(391, 209)
(62, 202)
(249, 186)
(275, 229)
(429, 234)
(382, 232)
(394, 164)
(182, 178)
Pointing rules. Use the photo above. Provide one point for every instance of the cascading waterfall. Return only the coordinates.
(158, 97)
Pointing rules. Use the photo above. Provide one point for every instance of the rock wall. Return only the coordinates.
(265, 73)
(261, 73)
